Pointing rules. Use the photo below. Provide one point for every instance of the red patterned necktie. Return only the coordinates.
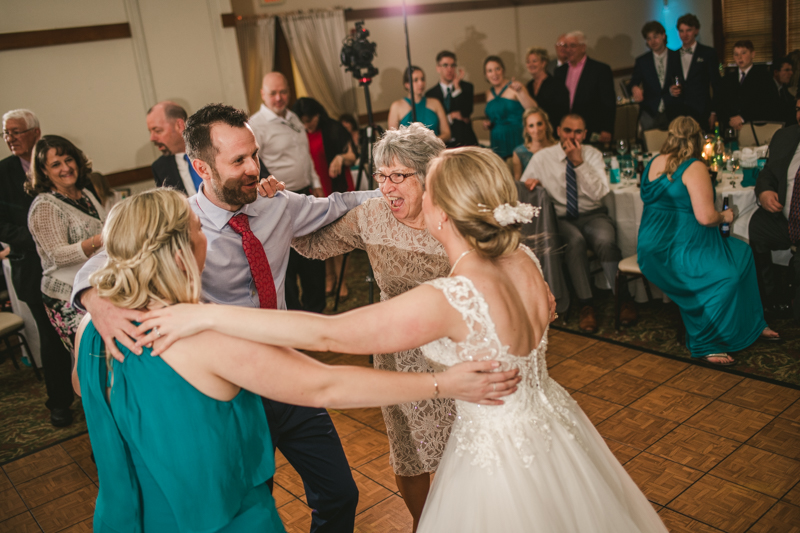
(794, 210)
(257, 258)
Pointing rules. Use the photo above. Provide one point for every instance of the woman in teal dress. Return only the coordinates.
(505, 103)
(430, 111)
(712, 279)
(181, 441)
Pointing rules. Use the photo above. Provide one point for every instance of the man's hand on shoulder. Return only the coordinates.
(270, 186)
(112, 323)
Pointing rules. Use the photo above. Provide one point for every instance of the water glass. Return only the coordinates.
(622, 147)
(627, 171)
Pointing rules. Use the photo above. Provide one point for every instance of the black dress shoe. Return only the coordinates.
(61, 417)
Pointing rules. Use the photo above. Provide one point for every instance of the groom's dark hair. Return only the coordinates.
(197, 134)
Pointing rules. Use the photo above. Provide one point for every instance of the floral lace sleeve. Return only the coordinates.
(334, 239)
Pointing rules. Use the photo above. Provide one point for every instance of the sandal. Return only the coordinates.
(770, 339)
(707, 359)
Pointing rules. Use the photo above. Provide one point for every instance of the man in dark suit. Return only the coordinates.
(166, 122)
(653, 74)
(783, 108)
(562, 55)
(744, 93)
(21, 131)
(457, 96)
(698, 76)
(591, 89)
(776, 224)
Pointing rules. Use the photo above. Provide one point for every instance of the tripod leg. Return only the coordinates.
(339, 282)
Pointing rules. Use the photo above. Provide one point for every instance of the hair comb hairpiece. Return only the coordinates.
(520, 214)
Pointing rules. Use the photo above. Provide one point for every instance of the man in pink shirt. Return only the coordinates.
(591, 89)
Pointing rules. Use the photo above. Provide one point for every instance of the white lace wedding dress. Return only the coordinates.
(535, 464)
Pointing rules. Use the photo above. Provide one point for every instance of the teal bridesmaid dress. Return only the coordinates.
(170, 458)
(429, 118)
(712, 279)
(506, 118)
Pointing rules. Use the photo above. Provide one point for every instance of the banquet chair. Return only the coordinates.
(757, 134)
(627, 270)
(654, 140)
(11, 325)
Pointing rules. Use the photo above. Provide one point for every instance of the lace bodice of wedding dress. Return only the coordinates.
(538, 402)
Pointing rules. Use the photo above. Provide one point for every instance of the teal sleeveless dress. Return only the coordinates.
(169, 457)
(711, 278)
(429, 118)
(524, 155)
(506, 118)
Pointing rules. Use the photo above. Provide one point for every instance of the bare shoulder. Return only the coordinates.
(697, 170)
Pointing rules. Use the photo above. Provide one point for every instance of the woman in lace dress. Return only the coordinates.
(534, 463)
(403, 255)
(65, 220)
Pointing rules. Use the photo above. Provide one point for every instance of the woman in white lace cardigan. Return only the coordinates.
(66, 221)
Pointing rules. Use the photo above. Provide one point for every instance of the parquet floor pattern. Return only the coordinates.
(712, 452)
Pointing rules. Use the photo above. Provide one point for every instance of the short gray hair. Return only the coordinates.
(578, 35)
(413, 146)
(23, 114)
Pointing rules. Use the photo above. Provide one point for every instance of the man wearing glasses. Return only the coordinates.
(457, 97)
(20, 132)
(574, 176)
(562, 55)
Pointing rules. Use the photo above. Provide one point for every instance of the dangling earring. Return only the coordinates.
(440, 225)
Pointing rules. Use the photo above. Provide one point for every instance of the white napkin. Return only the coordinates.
(749, 158)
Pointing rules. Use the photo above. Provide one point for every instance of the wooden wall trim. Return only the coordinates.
(81, 34)
(126, 177)
(448, 7)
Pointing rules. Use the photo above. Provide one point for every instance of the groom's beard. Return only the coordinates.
(231, 193)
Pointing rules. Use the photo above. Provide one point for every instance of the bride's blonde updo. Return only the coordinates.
(468, 183)
(143, 235)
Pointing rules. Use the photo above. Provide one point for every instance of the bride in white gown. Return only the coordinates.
(534, 463)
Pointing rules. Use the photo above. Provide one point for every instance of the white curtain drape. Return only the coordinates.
(315, 40)
(257, 51)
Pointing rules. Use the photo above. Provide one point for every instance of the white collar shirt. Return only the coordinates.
(744, 72)
(283, 148)
(687, 53)
(549, 166)
(445, 86)
(186, 176)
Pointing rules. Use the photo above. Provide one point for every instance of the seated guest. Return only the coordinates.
(744, 93)
(551, 96)
(538, 134)
(65, 221)
(562, 55)
(783, 102)
(429, 111)
(652, 77)
(171, 431)
(332, 152)
(506, 101)
(20, 132)
(774, 225)
(699, 74)
(457, 96)
(591, 89)
(574, 176)
(681, 251)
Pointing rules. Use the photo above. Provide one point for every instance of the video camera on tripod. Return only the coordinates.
(357, 54)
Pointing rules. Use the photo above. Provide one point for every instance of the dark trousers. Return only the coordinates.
(312, 280)
(308, 440)
(768, 232)
(56, 360)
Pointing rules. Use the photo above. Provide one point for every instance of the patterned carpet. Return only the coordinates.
(657, 332)
(26, 425)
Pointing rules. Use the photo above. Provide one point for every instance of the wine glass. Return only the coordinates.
(626, 171)
(622, 147)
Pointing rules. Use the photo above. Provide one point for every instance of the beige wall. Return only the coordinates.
(97, 94)
(612, 28)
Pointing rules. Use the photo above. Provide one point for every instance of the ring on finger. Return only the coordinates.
(158, 333)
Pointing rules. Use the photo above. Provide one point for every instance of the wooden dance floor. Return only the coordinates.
(712, 451)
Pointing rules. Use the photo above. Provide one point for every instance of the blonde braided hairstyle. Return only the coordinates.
(144, 234)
